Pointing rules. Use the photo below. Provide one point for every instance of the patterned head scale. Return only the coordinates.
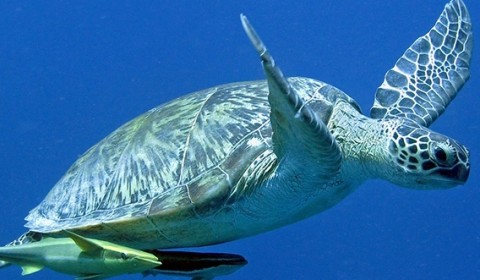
(434, 159)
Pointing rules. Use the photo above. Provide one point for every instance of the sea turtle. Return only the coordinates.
(244, 158)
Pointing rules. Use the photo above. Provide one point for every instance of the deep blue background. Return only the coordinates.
(71, 72)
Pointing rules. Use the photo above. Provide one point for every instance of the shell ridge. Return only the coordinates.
(122, 157)
(189, 135)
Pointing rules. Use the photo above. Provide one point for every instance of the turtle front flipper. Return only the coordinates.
(297, 131)
(198, 266)
(431, 71)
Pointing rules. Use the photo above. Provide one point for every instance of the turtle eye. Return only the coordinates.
(442, 154)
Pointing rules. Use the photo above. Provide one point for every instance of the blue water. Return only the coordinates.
(71, 72)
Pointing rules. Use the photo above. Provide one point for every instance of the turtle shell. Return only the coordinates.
(189, 153)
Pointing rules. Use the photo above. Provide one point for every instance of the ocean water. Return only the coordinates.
(71, 72)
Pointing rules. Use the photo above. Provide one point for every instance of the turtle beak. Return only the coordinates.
(463, 174)
(457, 175)
(461, 170)
(460, 173)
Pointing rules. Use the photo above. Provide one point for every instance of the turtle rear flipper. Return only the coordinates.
(199, 266)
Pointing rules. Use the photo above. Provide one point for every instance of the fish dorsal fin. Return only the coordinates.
(31, 268)
(85, 244)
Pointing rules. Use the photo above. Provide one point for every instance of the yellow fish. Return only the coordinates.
(86, 258)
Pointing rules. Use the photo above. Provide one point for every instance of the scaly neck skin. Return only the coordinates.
(363, 141)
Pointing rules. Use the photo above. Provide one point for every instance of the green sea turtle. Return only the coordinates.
(244, 158)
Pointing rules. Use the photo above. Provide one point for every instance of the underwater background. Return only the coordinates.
(73, 71)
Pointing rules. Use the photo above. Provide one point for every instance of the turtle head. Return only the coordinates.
(424, 159)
